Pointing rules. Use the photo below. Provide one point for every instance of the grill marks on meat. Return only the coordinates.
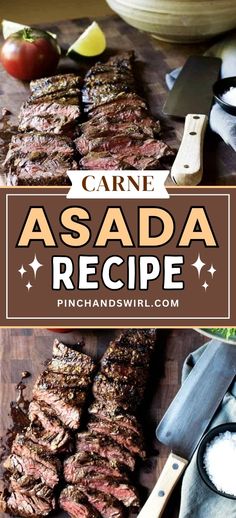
(120, 133)
(42, 156)
(107, 452)
(86, 463)
(33, 158)
(106, 504)
(76, 504)
(124, 492)
(107, 448)
(58, 402)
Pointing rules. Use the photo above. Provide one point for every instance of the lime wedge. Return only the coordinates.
(9, 28)
(91, 42)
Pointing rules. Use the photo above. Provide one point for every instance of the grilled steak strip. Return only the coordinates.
(33, 464)
(105, 447)
(22, 504)
(46, 429)
(85, 463)
(106, 504)
(125, 493)
(131, 441)
(76, 504)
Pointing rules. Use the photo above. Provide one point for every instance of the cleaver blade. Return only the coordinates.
(191, 98)
(188, 417)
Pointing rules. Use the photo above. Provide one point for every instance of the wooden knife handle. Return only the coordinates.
(171, 473)
(187, 168)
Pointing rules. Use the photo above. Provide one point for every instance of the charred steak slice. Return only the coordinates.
(32, 488)
(33, 467)
(103, 161)
(106, 504)
(133, 374)
(30, 144)
(70, 361)
(130, 440)
(149, 127)
(118, 104)
(134, 348)
(124, 492)
(46, 171)
(76, 504)
(129, 397)
(57, 379)
(70, 96)
(47, 85)
(22, 504)
(35, 458)
(46, 429)
(82, 464)
(58, 123)
(105, 447)
(112, 411)
(67, 404)
(124, 146)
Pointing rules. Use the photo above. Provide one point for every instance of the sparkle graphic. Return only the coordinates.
(198, 265)
(205, 285)
(212, 270)
(35, 265)
(22, 271)
(29, 286)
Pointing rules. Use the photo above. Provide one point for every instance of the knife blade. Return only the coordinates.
(188, 417)
(191, 98)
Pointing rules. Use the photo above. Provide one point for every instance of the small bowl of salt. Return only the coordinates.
(225, 94)
(216, 460)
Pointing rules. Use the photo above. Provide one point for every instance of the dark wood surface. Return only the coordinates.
(27, 349)
(154, 60)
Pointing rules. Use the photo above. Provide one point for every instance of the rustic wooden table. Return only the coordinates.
(154, 60)
(27, 349)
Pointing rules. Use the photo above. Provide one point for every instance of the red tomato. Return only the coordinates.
(56, 330)
(30, 54)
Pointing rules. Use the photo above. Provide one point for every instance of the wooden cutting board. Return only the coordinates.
(154, 60)
(28, 349)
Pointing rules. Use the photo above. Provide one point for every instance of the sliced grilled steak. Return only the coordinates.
(58, 379)
(132, 347)
(124, 146)
(121, 435)
(70, 96)
(32, 488)
(47, 85)
(46, 171)
(58, 123)
(69, 111)
(111, 411)
(107, 505)
(119, 104)
(70, 361)
(32, 467)
(127, 373)
(67, 404)
(149, 127)
(84, 463)
(125, 493)
(46, 429)
(104, 161)
(76, 504)
(30, 144)
(22, 504)
(114, 144)
(123, 59)
(129, 397)
(105, 447)
(143, 163)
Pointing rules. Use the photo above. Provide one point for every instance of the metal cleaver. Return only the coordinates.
(188, 417)
(191, 98)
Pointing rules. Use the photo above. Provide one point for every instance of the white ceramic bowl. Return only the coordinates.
(180, 21)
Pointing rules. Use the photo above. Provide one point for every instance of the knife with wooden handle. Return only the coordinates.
(191, 98)
(188, 417)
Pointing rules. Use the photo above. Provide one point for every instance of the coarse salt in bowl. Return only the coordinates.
(216, 460)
